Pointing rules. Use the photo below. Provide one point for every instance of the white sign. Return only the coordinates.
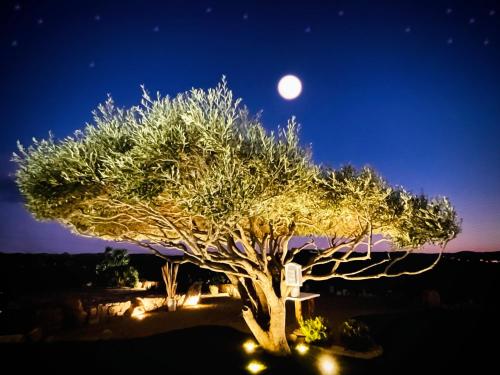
(293, 274)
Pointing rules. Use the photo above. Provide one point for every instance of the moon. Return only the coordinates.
(289, 87)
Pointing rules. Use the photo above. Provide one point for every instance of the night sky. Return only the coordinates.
(411, 88)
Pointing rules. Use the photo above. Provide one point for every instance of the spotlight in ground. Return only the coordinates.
(327, 365)
(139, 313)
(192, 300)
(302, 348)
(255, 367)
(249, 346)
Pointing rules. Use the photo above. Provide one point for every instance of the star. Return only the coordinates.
(407, 29)
(245, 16)
(156, 28)
(13, 43)
(40, 21)
(97, 17)
(449, 10)
(307, 29)
(449, 41)
(208, 10)
(340, 13)
(486, 42)
(472, 20)
(92, 64)
(17, 7)
(492, 12)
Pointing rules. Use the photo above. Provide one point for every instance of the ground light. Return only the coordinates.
(249, 346)
(302, 348)
(138, 313)
(192, 300)
(255, 367)
(327, 365)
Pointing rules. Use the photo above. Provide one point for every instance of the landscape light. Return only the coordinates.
(327, 365)
(192, 300)
(302, 348)
(139, 313)
(255, 367)
(249, 346)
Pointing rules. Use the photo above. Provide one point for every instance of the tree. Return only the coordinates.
(115, 269)
(198, 174)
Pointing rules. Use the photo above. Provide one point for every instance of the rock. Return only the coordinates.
(153, 303)
(93, 312)
(10, 339)
(230, 289)
(74, 312)
(119, 308)
(50, 318)
(93, 318)
(213, 289)
(35, 335)
(106, 334)
(147, 284)
(102, 312)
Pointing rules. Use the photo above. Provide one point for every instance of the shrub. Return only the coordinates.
(218, 279)
(115, 270)
(355, 335)
(315, 330)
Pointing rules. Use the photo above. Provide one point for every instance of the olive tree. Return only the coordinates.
(197, 173)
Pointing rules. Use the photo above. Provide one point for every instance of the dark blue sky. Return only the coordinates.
(411, 88)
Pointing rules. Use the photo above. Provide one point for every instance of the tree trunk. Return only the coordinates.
(270, 335)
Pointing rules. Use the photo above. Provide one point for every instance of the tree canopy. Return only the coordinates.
(201, 160)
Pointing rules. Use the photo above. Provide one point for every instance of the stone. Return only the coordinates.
(74, 312)
(106, 334)
(50, 318)
(147, 284)
(119, 309)
(102, 312)
(35, 335)
(152, 303)
(10, 339)
(213, 289)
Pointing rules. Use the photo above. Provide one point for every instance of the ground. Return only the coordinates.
(208, 339)
(457, 336)
(221, 311)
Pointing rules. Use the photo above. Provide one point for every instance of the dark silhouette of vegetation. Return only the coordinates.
(356, 335)
(115, 269)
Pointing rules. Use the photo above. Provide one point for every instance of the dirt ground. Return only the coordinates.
(222, 311)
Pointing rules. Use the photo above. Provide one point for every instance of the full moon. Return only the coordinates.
(289, 87)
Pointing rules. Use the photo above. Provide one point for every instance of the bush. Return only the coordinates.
(356, 335)
(315, 330)
(115, 271)
(217, 279)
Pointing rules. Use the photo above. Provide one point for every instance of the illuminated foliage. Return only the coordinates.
(115, 269)
(314, 329)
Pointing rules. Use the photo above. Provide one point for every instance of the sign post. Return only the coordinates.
(293, 279)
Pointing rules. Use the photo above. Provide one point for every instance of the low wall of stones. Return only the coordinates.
(103, 311)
